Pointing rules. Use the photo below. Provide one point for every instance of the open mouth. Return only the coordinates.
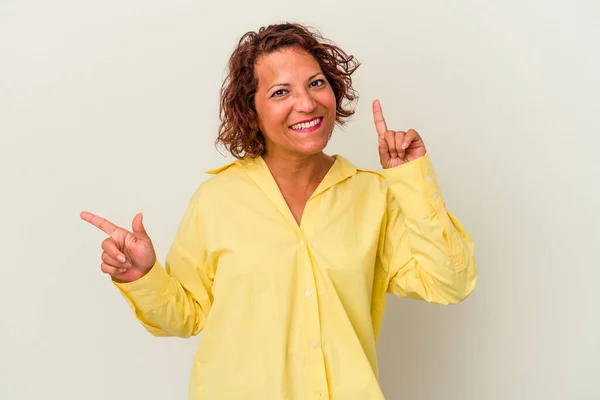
(308, 126)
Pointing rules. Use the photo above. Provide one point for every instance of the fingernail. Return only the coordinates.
(404, 145)
(121, 258)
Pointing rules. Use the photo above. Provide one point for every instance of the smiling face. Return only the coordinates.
(295, 104)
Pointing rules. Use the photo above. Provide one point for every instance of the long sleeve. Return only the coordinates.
(175, 300)
(426, 252)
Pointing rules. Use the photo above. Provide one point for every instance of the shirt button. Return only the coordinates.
(302, 242)
(428, 177)
(435, 195)
(313, 345)
(308, 293)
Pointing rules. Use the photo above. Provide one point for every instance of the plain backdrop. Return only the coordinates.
(111, 106)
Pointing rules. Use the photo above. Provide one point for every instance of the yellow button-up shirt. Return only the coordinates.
(290, 311)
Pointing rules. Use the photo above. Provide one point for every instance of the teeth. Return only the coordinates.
(306, 125)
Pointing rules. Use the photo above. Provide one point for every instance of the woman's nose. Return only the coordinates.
(304, 102)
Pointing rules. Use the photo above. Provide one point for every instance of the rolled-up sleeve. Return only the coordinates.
(426, 252)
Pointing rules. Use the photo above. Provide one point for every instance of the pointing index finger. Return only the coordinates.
(99, 222)
(380, 124)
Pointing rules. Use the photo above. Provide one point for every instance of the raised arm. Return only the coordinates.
(426, 252)
(170, 301)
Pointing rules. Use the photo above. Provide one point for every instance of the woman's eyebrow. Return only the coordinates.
(287, 84)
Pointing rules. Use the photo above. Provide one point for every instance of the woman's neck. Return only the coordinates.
(303, 172)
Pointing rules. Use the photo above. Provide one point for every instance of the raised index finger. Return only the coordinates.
(380, 124)
(99, 222)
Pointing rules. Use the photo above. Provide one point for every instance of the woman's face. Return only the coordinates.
(296, 107)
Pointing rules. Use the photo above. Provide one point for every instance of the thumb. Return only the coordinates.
(138, 226)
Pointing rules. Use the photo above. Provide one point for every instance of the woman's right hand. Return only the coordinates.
(127, 255)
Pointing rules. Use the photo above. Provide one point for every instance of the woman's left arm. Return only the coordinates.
(425, 251)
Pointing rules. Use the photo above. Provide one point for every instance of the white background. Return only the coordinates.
(111, 106)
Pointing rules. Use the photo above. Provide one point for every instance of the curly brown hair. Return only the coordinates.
(239, 131)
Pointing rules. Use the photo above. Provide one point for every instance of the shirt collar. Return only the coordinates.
(222, 168)
(258, 170)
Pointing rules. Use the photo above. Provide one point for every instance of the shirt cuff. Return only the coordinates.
(148, 292)
(416, 187)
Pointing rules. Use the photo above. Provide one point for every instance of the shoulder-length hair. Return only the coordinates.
(239, 131)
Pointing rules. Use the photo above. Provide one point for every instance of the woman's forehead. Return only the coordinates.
(286, 66)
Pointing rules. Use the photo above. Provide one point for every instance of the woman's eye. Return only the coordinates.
(318, 82)
(278, 93)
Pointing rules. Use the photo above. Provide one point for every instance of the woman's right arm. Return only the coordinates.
(169, 301)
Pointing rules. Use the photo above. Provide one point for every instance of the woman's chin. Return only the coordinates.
(312, 147)
(312, 144)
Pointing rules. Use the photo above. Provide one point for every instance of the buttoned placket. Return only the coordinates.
(316, 384)
(316, 376)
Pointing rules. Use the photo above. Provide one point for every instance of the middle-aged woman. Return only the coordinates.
(284, 257)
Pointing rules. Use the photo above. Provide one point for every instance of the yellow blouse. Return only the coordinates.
(294, 312)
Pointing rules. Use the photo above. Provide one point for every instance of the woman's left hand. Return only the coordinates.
(396, 147)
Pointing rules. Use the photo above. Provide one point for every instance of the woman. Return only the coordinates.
(284, 257)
